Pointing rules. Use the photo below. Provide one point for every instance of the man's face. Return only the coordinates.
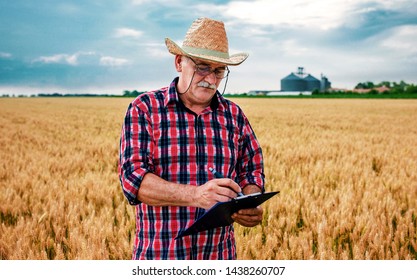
(201, 78)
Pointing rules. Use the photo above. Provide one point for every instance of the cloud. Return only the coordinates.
(317, 14)
(68, 8)
(58, 58)
(141, 2)
(85, 58)
(5, 55)
(71, 59)
(292, 47)
(113, 61)
(323, 15)
(127, 32)
(403, 39)
(311, 14)
(156, 50)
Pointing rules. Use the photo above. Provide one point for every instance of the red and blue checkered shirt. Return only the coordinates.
(160, 135)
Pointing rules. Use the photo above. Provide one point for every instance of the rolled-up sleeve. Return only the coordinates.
(135, 158)
(250, 164)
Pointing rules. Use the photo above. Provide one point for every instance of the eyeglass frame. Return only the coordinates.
(198, 70)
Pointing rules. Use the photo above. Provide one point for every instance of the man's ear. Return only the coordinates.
(178, 62)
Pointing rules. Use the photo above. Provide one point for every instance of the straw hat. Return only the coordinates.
(206, 40)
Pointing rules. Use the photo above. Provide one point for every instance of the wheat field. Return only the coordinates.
(346, 170)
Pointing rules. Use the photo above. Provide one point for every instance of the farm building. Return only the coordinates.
(303, 82)
(298, 83)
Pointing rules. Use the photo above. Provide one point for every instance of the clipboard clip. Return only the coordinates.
(245, 196)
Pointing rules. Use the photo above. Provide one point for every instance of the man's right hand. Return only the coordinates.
(216, 190)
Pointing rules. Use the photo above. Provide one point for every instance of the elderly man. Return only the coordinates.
(170, 139)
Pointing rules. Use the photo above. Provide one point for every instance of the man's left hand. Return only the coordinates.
(249, 217)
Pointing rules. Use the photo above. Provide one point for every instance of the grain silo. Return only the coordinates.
(312, 83)
(324, 83)
(293, 83)
(303, 83)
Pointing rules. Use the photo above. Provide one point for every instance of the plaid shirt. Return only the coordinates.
(160, 135)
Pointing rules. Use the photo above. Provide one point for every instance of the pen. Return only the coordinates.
(218, 175)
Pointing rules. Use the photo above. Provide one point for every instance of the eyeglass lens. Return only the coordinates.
(204, 70)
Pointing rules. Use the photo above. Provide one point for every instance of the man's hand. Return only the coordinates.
(249, 217)
(216, 190)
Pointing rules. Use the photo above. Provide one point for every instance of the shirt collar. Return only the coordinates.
(171, 96)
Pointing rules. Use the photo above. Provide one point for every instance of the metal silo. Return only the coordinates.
(325, 83)
(311, 83)
(293, 83)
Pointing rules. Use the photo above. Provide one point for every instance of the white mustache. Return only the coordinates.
(206, 85)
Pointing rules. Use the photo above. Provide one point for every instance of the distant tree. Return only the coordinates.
(133, 93)
(370, 85)
(411, 89)
(359, 86)
(384, 83)
(365, 85)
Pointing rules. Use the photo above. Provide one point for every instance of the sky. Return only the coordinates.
(109, 46)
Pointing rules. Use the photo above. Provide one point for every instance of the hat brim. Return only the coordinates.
(202, 54)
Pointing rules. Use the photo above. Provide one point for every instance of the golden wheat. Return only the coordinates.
(346, 169)
(347, 172)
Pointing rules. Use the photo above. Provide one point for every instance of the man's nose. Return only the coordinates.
(211, 78)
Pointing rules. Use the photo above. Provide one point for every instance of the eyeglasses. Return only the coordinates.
(205, 70)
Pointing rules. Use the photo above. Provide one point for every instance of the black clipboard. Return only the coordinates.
(220, 214)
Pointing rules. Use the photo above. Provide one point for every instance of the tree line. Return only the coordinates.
(394, 87)
(371, 88)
